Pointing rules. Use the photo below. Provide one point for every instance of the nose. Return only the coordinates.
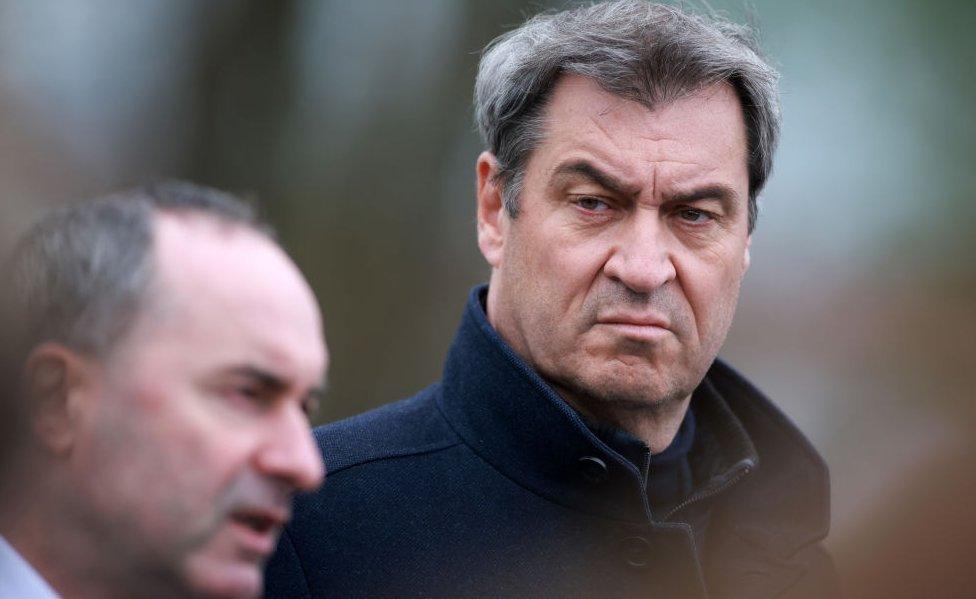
(290, 453)
(642, 258)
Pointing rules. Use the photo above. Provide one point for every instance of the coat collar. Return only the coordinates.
(517, 423)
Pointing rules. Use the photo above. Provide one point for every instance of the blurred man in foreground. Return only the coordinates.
(584, 440)
(172, 352)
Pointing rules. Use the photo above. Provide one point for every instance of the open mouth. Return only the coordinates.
(257, 530)
(259, 523)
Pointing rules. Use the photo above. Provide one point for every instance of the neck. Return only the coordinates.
(656, 425)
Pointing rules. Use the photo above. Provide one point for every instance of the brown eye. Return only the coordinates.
(694, 216)
(592, 204)
(248, 391)
(250, 396)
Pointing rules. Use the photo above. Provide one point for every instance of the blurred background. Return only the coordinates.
(351, 122)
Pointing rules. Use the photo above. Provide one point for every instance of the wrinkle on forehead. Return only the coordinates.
(599, 123)
(633, 141)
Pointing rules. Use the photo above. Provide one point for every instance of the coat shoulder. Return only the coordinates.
(408, 427)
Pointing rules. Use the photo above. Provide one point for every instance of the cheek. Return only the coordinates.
(564, 266)
(163, 458)
(712, 290)
(126, 482)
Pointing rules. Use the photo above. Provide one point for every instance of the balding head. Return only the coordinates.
(82, 272)
(175, 351)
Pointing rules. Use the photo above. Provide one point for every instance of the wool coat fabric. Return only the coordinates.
(488, 484)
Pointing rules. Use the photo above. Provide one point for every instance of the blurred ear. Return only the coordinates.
(491, 210)
(747, 257)
(59, 383)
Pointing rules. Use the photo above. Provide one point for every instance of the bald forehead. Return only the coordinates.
(225, 287)
(197, 253)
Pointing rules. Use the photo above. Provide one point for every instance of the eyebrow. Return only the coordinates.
(273, 382)
(602, 178)
(724, 194)
(265, 378)
(717, 191)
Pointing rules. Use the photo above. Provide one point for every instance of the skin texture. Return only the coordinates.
(194, 423)
(620, 275)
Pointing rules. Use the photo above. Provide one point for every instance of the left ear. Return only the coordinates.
(746, 257)
(62, 388)
(491, 210)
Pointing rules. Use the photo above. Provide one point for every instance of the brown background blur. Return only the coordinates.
(351, 121)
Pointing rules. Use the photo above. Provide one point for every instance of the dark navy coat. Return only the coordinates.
(488, 484)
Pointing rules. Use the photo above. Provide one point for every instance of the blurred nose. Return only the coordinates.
(290, 453)
(642, 259)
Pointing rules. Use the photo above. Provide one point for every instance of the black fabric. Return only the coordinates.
(487, 484)
(668, 473)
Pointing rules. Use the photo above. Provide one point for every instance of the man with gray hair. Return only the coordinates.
(170, 353)
(585, 441)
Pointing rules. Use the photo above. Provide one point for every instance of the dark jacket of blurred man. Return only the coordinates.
(584, 440)
(172, 350)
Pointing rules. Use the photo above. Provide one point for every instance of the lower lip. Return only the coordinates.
(640, 332)
(252, 541)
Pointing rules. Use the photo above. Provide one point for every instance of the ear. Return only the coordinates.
(59, 384)
(492, 219)
(747, 257)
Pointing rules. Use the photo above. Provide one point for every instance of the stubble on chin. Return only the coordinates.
(621, 373)
(616, 385)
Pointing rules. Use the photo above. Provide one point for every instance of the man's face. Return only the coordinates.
(196, 435)
(619, 277)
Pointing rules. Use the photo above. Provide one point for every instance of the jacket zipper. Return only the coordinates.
(743, 470)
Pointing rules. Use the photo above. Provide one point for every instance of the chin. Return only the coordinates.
(637, 397)
(638, 383)
(227, 581)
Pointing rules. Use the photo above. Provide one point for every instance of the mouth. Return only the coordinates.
(258, 522)
(645, 328)
(637, 332)
(258, 528)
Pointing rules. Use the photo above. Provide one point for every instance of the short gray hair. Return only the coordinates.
(82, 273)
(650, 53)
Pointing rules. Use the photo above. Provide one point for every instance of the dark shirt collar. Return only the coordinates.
(668, 473)
(515, 421)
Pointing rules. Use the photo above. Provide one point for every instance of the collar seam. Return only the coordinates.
(407, 453)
